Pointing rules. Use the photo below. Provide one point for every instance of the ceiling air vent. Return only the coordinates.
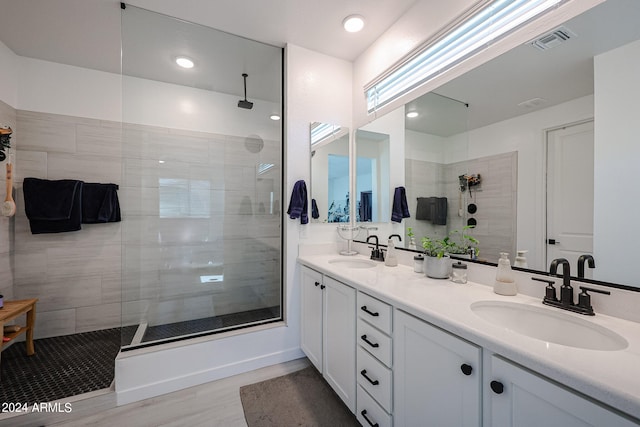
(554, 38)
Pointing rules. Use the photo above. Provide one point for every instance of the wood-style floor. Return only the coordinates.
(209, 405)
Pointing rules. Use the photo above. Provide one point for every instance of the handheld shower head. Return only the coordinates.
(243, 103)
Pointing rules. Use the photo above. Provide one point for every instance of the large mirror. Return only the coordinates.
(554, 124)
(372, 176)
(329, 186)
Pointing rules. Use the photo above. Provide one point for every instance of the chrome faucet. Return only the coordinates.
(581, 260)
(376, 254)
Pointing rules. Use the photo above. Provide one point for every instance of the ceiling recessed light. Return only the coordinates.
(274, 117)
(353, 23)
(184, 62)
(412, 114)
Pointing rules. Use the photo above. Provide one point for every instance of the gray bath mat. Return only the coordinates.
(301, 398)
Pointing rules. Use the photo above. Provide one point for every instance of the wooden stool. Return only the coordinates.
(13, 309)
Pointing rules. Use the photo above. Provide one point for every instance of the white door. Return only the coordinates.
(340, 340)
(311, 316)
(570, 194)
(436, 376)
(523, 399)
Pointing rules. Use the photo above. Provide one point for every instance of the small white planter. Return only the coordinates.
(437, 268)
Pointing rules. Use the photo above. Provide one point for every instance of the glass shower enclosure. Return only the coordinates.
(201, 191)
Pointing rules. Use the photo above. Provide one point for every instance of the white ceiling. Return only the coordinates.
(86, 33)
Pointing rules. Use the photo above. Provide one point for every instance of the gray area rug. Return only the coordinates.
(301, 398)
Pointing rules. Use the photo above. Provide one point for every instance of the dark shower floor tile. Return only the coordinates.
(172, 330)
(61, 367)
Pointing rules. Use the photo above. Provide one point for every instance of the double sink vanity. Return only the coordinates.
(402, 349)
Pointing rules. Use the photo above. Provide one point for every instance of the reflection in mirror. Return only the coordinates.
(329, 173)
(576, 86)
(563, 107)
(372, 176)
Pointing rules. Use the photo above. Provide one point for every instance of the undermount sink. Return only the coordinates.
(548, 325)
(353, 263)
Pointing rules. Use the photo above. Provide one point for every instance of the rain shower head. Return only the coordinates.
(243, 103)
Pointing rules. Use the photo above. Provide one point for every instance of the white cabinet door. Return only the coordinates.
(523, 399)
(340, 340)
(311, 316)
(437, 379)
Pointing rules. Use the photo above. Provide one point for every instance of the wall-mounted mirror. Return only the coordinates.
(556, 119)
(329, 173)
(372, 176)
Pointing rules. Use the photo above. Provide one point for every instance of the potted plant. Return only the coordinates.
(412, 239)
(437, 261)
(463, 244)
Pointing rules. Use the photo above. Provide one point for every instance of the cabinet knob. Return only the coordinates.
(317, 283)
(497, 387)
(322, 286)
(466, 369)
(364, 415)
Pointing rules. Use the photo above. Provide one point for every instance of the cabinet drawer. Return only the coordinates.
(375, 378)
(375, 342)
(375, 312)
(369, 413)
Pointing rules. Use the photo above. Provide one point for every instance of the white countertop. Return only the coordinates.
(612, 377)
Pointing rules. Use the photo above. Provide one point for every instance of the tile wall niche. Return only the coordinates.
(7, 224)
(495, 199)
(147, 268)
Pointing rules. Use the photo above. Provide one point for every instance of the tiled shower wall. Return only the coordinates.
(206, 211)
(495, 199)
(200, 206)
(7, 242)
(75, 275)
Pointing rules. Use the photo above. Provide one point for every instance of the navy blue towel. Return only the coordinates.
(53, 206)
(298, 203)
(400, 207)
(100, 203)
(315, 214)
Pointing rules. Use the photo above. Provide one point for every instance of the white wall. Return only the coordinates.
(318, 90)
(48, 87)
(526, 135)
(617, 89)
(8, 76)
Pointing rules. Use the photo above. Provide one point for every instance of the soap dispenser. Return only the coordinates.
(391, 259)
(505, 283)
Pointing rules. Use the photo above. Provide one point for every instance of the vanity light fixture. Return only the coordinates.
(184, 62)
(468, 35)
(412, 114)
(353, 23)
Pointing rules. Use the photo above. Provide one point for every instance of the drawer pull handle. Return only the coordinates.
(317, 283)
(364, 374)
(364, 414)
(372, 344)
(497, 387)
(364, 308)
(466, 369)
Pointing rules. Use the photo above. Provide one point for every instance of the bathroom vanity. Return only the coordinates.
(402, 349)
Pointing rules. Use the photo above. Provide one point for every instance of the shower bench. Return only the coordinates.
(13, 309)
